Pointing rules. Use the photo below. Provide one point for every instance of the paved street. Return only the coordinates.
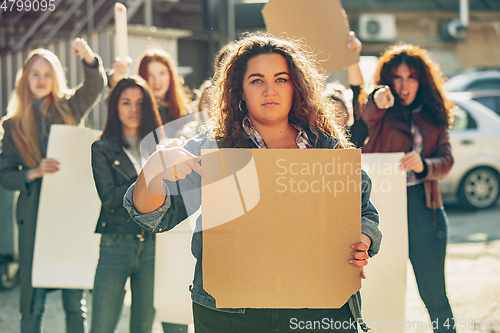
(473, 267)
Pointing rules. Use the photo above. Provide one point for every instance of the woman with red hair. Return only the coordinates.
(158, 68)
(409, 113)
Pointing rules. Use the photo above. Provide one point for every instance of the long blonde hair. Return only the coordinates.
(20, 109)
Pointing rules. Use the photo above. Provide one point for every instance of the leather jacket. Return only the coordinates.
(388, 134)
(113, 174)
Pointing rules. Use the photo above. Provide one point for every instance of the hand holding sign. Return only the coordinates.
(171, 164)
(353, 43)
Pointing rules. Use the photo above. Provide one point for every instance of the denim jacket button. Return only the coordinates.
(112, 210)
(116, 162)
(103, 224)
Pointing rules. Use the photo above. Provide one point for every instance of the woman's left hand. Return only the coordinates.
(412, 161)
(80, 47)
(359, 253)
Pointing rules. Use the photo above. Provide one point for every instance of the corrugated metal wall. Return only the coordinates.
(102, 43)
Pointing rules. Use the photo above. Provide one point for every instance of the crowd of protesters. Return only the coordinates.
(266, 93)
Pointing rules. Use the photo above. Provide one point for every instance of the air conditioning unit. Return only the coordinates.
(377, 27)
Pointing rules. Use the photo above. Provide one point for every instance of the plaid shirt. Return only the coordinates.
(301, 140)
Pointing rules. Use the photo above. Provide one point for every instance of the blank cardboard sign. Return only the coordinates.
(322, 23)
(288, 242)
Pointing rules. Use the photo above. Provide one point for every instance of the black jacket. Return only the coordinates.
(113, 174)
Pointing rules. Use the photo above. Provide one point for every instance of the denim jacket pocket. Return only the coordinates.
(110, 239)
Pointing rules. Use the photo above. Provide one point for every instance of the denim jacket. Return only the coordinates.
(177, 208)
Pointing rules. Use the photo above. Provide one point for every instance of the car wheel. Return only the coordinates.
(479, 188)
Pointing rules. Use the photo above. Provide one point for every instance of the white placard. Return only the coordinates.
(66, 247)
(121, 32)
(174, 271)
(384, 290)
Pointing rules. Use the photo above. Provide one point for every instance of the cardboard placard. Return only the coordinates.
(321, 23)
(66, 247)
(286, 241)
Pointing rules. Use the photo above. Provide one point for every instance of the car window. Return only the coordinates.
(490, 102)
(463, 120)
(484, 84)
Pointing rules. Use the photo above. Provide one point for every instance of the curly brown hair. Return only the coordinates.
(309, 106)
(436, 108)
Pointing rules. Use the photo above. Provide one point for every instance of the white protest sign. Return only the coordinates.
(66, 247)
(384, 290)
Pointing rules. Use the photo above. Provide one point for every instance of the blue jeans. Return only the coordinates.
(73, 304)
(427, 250)
(120, 257)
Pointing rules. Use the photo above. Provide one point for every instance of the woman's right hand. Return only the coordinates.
(121, 67)
(80, 47)
(46, 166)
(120, 70)
(383, 98)
(171, 164)
(353, 43)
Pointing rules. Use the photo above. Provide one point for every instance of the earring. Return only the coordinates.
(241, 109)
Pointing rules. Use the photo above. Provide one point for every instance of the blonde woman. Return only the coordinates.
(41, 98)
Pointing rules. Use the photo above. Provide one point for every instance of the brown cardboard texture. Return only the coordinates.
(286, 241)
(322, 23)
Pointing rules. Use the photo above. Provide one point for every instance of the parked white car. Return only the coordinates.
(474, 81)
(475, 140)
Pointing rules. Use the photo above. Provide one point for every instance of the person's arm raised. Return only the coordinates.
(80, 47)
(354, 71)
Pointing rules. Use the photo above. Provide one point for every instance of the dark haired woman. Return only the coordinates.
(159, 70)
(126, 251)
(259, 102)
(409, 113)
